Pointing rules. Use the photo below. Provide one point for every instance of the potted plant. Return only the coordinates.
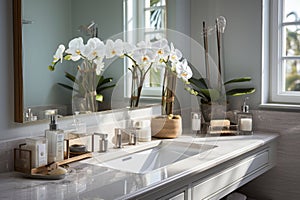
(212, 97)
(79, 90)
(212, 91)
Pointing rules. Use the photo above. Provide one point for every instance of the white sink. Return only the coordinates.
(164, 154)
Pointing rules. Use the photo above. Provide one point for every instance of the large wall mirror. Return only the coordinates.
(39, 27)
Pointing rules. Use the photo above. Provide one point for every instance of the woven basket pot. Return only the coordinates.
(164, 127)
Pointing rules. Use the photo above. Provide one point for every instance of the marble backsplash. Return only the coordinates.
(281, 182)
(100, 122)
(284, 123)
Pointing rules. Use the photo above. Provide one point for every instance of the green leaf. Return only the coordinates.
(99, 97)
(199, 83)
(238, 80)
(100, 89)
(67, 87)
(240, 91)
(103, 81)
(70, 77)
(214, 94)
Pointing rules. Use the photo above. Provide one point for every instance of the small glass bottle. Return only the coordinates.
(55, 138)
(245, 120)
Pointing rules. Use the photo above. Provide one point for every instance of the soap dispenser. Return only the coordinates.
(245, 119)
(55, 138)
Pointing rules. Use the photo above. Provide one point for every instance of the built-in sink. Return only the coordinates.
(164, 154)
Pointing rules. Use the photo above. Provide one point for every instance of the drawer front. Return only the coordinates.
(180, 194)
(178, 197)
(232, 175)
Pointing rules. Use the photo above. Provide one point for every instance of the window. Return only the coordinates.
(284, 50)
(151, 15)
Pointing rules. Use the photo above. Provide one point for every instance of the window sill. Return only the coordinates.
(280, 106)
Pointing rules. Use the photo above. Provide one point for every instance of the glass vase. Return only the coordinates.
(136, 87)
(168, 92)
(84, 95)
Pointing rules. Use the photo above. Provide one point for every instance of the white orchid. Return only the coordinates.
(143, 54)
(59, 54)
(76, 47)
(161, 49)
(128, 48)
(99, 65)
(183, 70)
(175, 54)
(94, 48)
(114, 48)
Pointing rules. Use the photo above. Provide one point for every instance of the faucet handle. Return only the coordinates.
(118, 138)
(103, 136)
(132, 138)
(103, 142)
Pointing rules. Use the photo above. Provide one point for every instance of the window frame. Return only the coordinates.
(138, 14)
(273, 94)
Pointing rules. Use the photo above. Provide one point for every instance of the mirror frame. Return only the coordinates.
(18, 67)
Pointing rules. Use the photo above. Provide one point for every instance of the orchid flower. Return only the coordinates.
(99, 65)
(175, 54)
(183, 70)
(128, 48)
(114, 48)
(161, 49)
(59, 54)
(94, 48)
(76, 47)
(143, 55)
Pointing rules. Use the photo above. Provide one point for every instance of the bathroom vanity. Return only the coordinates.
(223, 164)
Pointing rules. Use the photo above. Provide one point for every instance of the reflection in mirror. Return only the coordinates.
(39, 27)
(34, 44)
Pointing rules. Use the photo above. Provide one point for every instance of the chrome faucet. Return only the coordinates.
(132, 138)
(118, 137)
(103, 141)
(121, 134)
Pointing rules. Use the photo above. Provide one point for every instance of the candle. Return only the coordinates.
(246, 124)
(196, 121)
(196, 124)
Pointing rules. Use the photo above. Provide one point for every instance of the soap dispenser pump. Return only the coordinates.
(245, 119)
(55, 139)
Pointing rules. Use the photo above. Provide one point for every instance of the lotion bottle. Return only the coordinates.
(245, 120)
(55, 139)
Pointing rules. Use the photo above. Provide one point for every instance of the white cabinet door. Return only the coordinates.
(230, 178)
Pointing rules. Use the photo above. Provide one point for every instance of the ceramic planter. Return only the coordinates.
(166, 127)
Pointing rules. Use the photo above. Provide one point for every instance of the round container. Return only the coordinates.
(164, 127)
(143, 130)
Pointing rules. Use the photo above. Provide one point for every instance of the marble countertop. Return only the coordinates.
(89, 181)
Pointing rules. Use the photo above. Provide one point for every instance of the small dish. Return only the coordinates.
(56, 174)
(45, 177)
(78, 148)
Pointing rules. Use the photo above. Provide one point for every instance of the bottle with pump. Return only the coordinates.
(245, 119)
(55, 139)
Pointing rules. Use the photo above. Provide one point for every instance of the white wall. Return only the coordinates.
(241, 41)
(40, 40)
